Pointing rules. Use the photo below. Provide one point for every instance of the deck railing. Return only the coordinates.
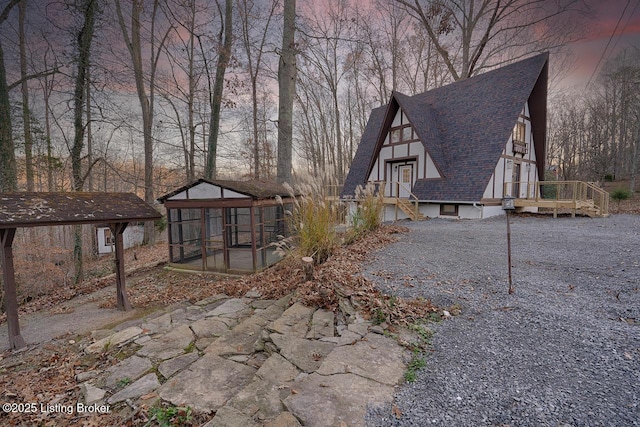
(575, 195)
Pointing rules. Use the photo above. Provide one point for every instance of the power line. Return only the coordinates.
(625, 26)
(608, 43)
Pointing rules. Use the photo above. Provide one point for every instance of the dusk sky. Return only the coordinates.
(588, 51)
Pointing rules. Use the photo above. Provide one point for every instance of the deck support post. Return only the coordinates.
(9, 280)
(121, 290)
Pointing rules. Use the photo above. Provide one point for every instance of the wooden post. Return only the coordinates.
(121, 290)
(11, 300)
(307, 267)
(509, 252)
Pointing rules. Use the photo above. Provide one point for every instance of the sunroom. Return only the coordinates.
(226, 226)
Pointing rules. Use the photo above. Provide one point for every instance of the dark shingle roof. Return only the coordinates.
(464, 127)
(23, 209)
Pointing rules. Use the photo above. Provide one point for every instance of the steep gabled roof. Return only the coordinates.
(464, 127)
(255, 189)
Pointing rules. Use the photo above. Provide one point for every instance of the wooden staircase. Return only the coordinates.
(410, 209)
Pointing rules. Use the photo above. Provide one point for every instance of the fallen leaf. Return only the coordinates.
(396, 411)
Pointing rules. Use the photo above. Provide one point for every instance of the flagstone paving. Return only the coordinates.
(251, 362)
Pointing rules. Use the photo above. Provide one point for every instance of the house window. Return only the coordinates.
(518, 139)
(406, 175)
(401, 134)
(395, 135)
(449, 210)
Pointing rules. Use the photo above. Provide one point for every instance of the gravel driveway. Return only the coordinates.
(563, 350)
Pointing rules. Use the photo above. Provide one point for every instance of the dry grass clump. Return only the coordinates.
(313, 221)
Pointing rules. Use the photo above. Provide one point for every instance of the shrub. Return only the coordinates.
(620, 194)
(313, 223)
(367, 216)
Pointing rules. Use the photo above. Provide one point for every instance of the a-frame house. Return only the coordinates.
(458, 150)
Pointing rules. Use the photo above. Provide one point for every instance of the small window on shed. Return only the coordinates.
(449, 210)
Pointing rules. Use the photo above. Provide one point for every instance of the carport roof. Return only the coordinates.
(32, 209)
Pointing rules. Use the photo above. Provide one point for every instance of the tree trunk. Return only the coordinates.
(89, 9)
(8, 168)
(218, 86)
(286, 91)
(26, 114)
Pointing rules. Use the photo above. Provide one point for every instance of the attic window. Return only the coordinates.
(402, 134)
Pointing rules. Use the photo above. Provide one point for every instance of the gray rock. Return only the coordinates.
(261, 304)
(209, 327)
(159, 325)
(285, 419)
(132, 368)
(359, 328)
(85, 376)
(114, 339)
(171, 366)
(144, 385)
(252, 294)
(260, 399)
(207, 384)
(271, 312)
(376, 357)
(194, 312)
(345, 338)
(91, 393)
(377, 329)
(178, 315)
(294, 321)
(305, 354)
(322, 324)
(330, 401)
(203, 343)
(212, 299)
(233, 308)
(241, 340)
(228, 416)
(277, 369)
(169, 345)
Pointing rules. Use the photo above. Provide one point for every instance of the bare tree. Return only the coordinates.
(287, 69)
(146, 95)
(85, 35)
(26, 114)
(8, 168)
(254, 49)
(470, 35)
(224, 54)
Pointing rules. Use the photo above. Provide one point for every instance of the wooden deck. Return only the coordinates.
(577, 197)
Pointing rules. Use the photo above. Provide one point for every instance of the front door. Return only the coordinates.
(405, 178)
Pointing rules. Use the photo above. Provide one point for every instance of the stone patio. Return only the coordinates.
(250, 362)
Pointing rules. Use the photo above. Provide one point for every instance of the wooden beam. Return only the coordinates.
(11, 301)
(121, 290)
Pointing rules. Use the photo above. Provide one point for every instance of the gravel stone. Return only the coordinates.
(564, 349)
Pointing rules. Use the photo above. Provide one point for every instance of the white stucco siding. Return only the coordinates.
(509, 161)
(206, 191)
(432, 170)
(203, 190)
(404, 152)
(489, 191)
